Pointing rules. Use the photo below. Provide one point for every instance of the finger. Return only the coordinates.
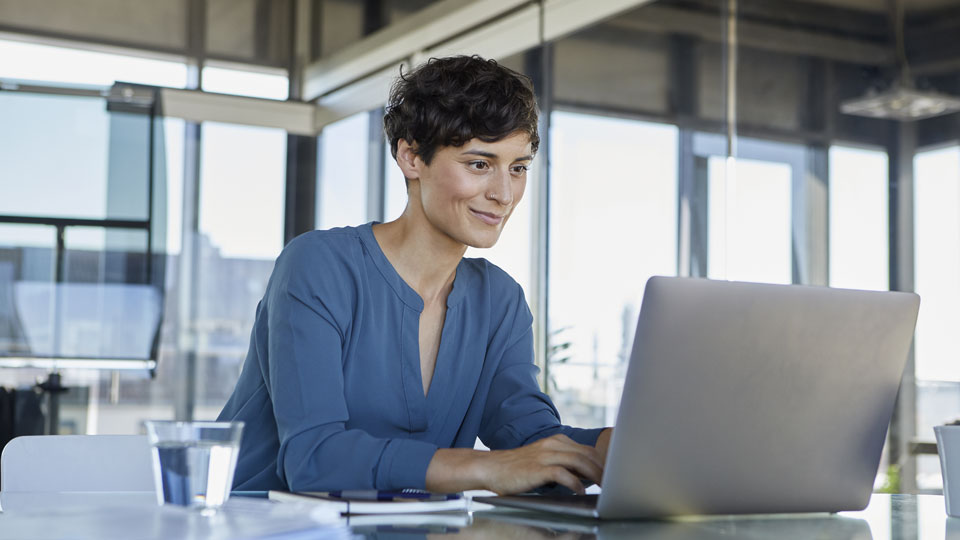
(561, 442)
(566, 478)
(576, 463)
(585, 452)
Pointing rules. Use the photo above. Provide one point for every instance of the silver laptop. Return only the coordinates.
(745, 398)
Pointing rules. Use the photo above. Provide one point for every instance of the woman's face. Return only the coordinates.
(469, 192)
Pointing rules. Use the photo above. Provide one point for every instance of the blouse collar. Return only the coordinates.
(402, 289)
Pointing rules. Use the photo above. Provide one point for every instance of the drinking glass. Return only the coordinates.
(194, 462)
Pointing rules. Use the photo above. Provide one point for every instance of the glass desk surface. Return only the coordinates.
(136, 515)
(888, 517)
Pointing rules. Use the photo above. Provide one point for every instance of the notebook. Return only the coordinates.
(407, 501)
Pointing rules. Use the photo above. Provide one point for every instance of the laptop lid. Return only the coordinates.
(755, 398)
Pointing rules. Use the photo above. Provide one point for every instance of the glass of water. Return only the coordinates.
(193, 462)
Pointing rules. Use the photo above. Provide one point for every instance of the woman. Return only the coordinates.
(379, 354)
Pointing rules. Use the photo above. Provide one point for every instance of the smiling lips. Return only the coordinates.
(487, 217)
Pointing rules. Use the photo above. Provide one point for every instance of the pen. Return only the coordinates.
(254, 494)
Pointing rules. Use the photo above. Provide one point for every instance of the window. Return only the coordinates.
(59, 145)
(242, 180)
(342, 194)
(172, 167)
(72, 156)
(26, 256)
(859, 248)
(749, 220)
(240, 216)
(937, 273)
(74, 66)
(937, 281)
(245, 83)
(613, 224)
(394, 189)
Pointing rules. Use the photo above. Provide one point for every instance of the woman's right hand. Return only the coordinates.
(554, 459)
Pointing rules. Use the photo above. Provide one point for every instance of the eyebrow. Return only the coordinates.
(491, 155)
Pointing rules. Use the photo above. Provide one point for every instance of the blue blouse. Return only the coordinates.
(331, 391)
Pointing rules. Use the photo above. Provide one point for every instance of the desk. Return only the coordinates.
(112, 515)
(136, 515)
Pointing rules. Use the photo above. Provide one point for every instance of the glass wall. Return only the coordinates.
(87, 280)
(242, 82)
(772, 166)
(242, 179)
(394, 187)
(117, 402)
(31, 61)
(43, 157)
(344, 171)
(26, 255)
(613, 208)
(937, 256)
(937, 233)
(930, 145)
(748, 220)
(859, 216)
(240, 217)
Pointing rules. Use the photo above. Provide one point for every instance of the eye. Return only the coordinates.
(519, 169)
(479, 165)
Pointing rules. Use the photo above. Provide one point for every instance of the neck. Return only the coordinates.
(424, 257)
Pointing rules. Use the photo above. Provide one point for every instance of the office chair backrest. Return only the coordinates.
(57, 463)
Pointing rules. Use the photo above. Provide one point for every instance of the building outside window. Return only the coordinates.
(613, 216)
(937, 277)
(70, 157)
(344, 171)
(242, 179)
(242, 176)
(859, 231)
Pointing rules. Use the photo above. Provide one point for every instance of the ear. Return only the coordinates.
(408, 160)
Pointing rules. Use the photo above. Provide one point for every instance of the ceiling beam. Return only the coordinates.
(358, 78)
(294, 117)
(765, 36)
(396, 43)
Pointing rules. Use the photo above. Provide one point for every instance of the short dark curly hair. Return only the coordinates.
(448, 101)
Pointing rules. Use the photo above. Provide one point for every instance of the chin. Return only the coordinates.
(481, 241)
(483, 245)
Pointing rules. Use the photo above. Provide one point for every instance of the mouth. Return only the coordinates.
(487, 217)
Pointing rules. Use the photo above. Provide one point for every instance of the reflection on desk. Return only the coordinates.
(136, 515)
(531, 526)
(887, 517)
(101, 515)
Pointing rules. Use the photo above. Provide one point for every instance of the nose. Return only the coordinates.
(501, 189)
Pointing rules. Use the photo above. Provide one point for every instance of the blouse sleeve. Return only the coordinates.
(304, 377)
(517, 412)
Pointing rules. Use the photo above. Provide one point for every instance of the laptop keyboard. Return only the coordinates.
(583, 501)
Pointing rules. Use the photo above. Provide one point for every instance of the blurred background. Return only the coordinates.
(155, 156)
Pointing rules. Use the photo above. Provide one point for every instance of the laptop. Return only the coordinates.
(747, 398)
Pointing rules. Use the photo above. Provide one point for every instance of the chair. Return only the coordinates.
(65, 463)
